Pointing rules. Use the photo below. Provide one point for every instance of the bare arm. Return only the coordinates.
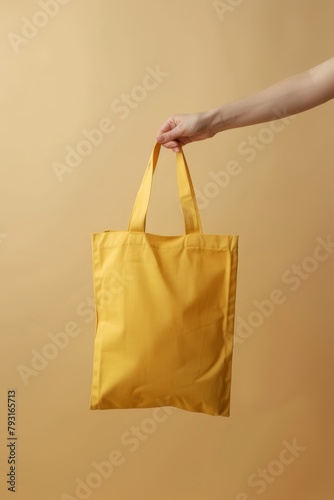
(287, 97)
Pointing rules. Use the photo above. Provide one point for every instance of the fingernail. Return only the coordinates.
(160, 138)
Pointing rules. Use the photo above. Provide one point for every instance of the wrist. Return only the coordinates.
(216, 120)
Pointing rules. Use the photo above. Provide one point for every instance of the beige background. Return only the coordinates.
(67, 78)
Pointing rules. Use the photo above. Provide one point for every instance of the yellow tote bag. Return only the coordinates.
(165, 310)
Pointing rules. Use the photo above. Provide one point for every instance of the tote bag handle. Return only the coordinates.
(192, 220)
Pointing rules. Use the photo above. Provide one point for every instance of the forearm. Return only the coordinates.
(287, 97)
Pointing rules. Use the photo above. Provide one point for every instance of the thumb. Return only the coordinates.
(171, 135)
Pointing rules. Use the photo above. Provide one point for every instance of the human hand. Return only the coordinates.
(179, 130)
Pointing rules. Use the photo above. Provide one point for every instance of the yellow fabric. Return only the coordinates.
(164, 310)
